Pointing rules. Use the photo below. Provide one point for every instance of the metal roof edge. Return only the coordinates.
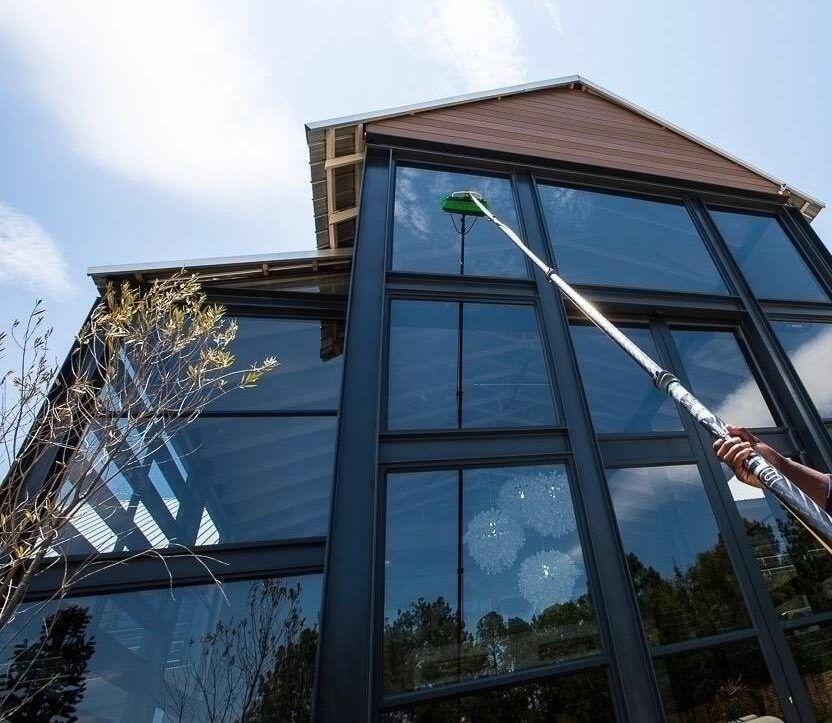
(221, 262)
(556, 83)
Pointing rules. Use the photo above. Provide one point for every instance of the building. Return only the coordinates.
(457, 501)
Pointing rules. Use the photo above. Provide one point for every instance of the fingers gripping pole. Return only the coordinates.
(799, 504)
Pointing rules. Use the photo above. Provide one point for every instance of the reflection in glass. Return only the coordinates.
(327, 282)
(718, 684)
(505, 591)
(680, 569)
(761, 246)
(621, 397)
(795, 568)
(580, 698)
(423, 365)
(809, 346)
(215, 481)
(189, 656)
(504, 379)
(310, 352)
(812, 650)
(601, 238)
(721, 378)
(503, 374)
(424, 238)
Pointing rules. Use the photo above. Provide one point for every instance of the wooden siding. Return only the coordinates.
(576, 126)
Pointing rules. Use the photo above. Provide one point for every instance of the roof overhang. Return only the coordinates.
(338, 142)
(226, 268)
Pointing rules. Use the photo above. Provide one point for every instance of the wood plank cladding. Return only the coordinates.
(577, 126)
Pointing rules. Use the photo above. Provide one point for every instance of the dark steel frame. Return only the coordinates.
(349, 676)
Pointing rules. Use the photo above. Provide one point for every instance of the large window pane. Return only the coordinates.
(505, 591)
(721, 378)
(768, 259)
(504, 381)
(796, 569)
(812, 650)
(809, 346)
(680, 569)
(504, 378)
(423, 365)
(424, 237)
(246, 652)
(622, 398)
(718, 684)
(581, 698)
(214, 481)
(601, 238)
(310, 356)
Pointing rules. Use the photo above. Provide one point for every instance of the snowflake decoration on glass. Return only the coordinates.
(493, 540)
(547, 578)
(541, 501)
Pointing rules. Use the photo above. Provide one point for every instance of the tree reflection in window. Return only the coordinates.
(503, 591)
(795, 568)
(684, 582)
(188, 656)
(812, 650)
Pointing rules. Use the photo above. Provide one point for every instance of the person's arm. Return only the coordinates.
(741, 444)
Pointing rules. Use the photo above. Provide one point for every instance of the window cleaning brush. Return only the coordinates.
(804, 509)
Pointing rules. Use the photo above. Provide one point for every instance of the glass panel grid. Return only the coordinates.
(484, 575)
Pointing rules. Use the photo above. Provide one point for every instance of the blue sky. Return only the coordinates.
(143, 131)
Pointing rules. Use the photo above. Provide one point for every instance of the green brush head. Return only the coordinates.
(460, 202)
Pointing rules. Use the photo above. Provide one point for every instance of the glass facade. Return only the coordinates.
(426, 239)
(769, 261)
(483, 575)
(243, 651)
(607, 239)
(466, 365)
(519, 526)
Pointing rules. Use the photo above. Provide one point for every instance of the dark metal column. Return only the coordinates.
(343, 687)
(627, 646)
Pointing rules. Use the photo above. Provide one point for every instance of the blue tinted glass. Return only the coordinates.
(310, 356)
(519, 575)
(423, 365)
(214, 481)
(420, 580)
(768, 259)
(504, 378)
(194, 654)
(809, 346)
(424, 238)
(599, 238)
(622, 398)
(680, 569)
(721, 378)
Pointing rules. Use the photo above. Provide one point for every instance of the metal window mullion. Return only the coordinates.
(615, 603)
(784, 674)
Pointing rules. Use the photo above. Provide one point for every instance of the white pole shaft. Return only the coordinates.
(797, 502)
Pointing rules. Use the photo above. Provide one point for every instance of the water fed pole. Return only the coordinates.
(799, 504)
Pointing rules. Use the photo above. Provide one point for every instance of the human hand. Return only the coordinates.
(735, 449)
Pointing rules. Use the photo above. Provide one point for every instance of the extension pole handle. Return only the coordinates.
(798, 503)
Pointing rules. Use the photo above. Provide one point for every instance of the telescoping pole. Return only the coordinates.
(799, 504)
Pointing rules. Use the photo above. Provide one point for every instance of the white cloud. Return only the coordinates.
(167, 93)
(30, 256)
(551, 9)
(475, 40)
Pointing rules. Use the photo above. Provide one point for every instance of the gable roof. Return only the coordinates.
(336, 145)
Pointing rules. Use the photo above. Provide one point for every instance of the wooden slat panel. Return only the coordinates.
(577, 127)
